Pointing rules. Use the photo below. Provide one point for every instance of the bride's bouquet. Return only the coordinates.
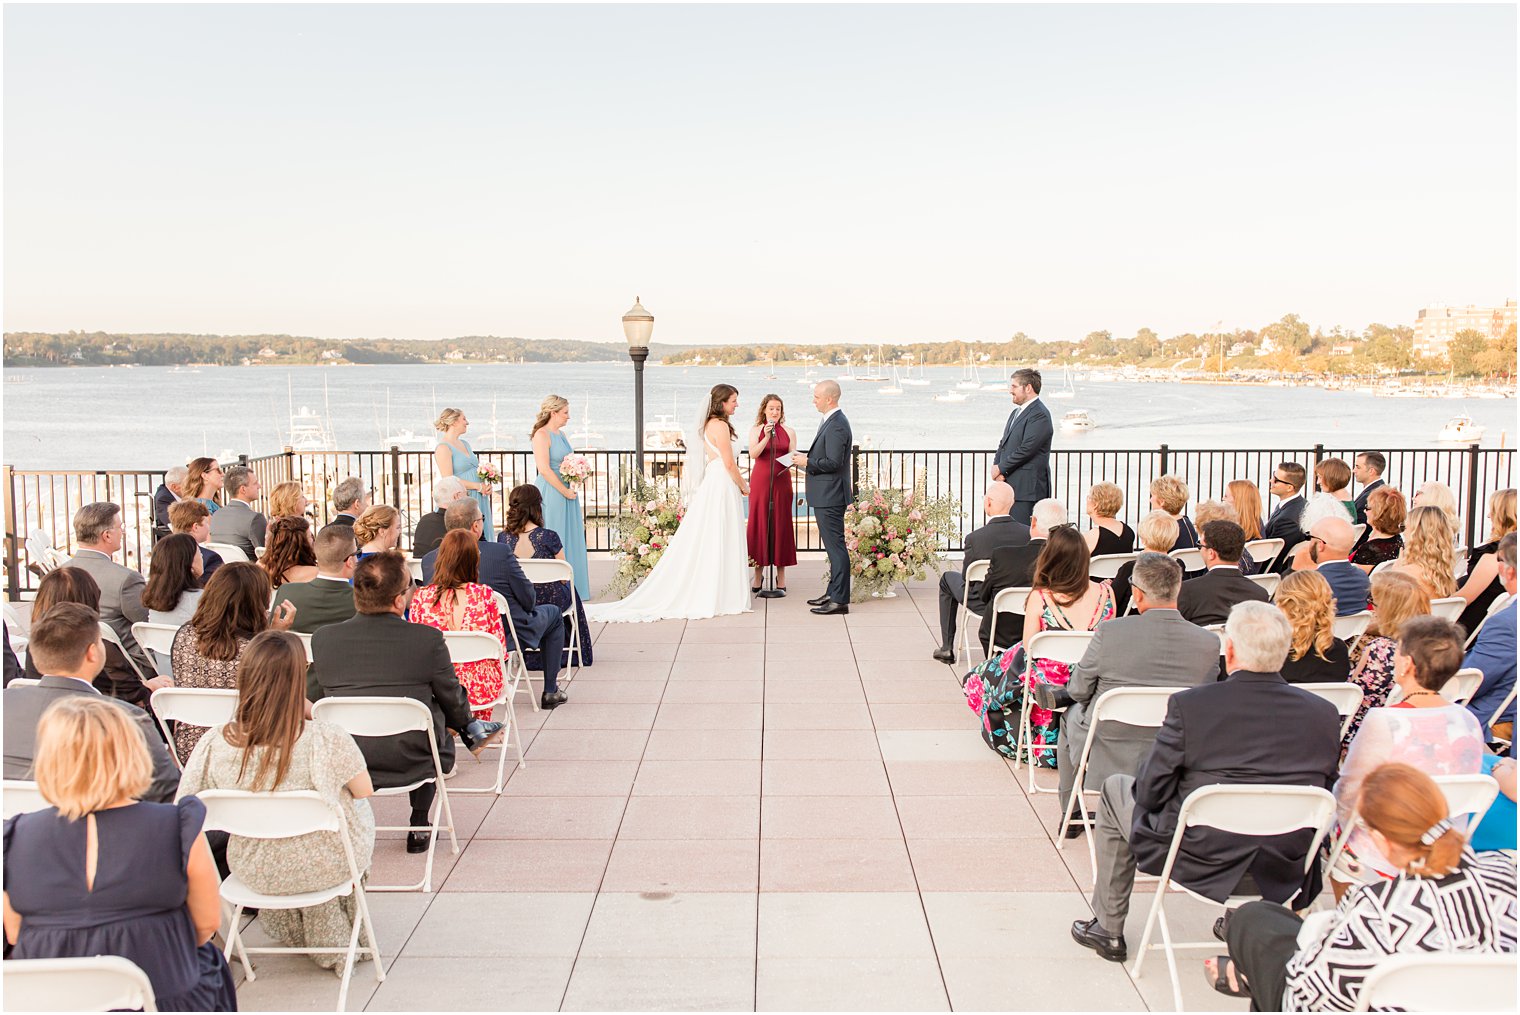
(574, 469)
(894, 536)
(642, 531)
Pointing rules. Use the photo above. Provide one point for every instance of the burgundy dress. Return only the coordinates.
(767, 479)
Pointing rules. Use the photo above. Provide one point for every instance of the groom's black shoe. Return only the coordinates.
(820, 601)
(944, 654)
(829, 608)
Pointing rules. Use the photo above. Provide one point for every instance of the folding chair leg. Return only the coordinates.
(349, 959)
(369, 930)
(1171, 961)
(235, 943)
(1150, 925)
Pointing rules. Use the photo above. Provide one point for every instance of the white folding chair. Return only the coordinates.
(542, 571)
(306, 644)
(1268, 582)
(475, 646)
(1440, 981)
(1494, 607)
(1357, 531)
(109, 635)
(1008, 602)
(1107, 565)
(1246, 809)
(230, 554)
(39, 546)
(1060, 646)
(1344, 695)
(1264, 551)
(286, 816)
(157, 639)
(1191, 559)
(1132, 706)
(258, 552)
(1385, 565)
(1465, 795)
(17, 629)
(1508, 700)
(521, 682)
(976, 571)
(24, 682)
(1351, 627)
(98, 983)
(1448, 608)
(18, 796)
(1292, 552)
(197, 706)
(387, 717)
(1464, 683)
(414, 565)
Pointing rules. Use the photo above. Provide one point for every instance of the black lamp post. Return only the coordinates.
(638, 324)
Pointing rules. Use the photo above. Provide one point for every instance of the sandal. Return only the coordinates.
(1221, 978)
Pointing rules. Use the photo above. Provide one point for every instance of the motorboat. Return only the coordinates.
(952, 396)
(1078, 421)
(663, 433)
(1461, 428)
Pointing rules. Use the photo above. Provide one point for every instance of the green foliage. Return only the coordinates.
(1463, 352)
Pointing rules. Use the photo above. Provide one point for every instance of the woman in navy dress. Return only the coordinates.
(152, 894)
(524, 531)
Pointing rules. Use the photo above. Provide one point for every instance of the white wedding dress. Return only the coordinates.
(704, 572)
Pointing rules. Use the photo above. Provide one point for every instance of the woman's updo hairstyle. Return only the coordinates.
(1409, 809)
(446, 419)
(548, 407)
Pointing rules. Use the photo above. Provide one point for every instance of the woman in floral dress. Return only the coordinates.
(1396, 597)
(456, 601)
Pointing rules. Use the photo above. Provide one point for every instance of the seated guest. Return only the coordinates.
(12, 664)
(1439, 495)
(954, 591)
(1482, 585)
(1424, 729)
(329, 597)
(1497, 830)
(271, 747)
(538, 626)
(105, 872)
(525, 533)
(430, 527)
(1158, 533)
(1383, 541)
(1170, 494)
(1441, 897)
(237, 523)
(456, 601)
(1109, 533)
(1154, 648)
(67, 650)
(1316, 655)
(1329, 545)
(192, 517)
(98, 531)
(378, 530)
(1223, 511)
(117, 679)
(1013, 567)
(203, 482)
(1494, 654)
(169, 491)
(1332, 476)
(378, 653)
(1243, 495)
(1321, 507)
(290, 557)
(1428, 557)
(174, 580)
(1208, 598)
(205, 653)
(288, 500)
(350, 500)
(1293, 737)
(1368, 471)
(1288, 485)
(1395, 598)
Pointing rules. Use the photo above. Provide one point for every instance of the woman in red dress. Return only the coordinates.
(770, 482)
(457, 601)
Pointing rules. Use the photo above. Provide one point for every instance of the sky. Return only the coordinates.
(755, 174)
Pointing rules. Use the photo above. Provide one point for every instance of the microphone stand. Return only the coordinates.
(770, 591)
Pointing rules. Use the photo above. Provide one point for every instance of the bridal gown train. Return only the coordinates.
(704, 572)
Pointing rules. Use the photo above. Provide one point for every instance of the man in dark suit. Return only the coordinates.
(1283, 523)
(1023, 455)
(540, 627)
(98, 531)
(1154, 648)
(1208, 598)
(954, 590)
(1330, 544)
(237, 523)
(66, 647)
(169, 491)
(430, 528)
(1012, 567)
(1368, 471)
(350, 499)
(376, 652)
(830, 489)
(195, 518)
(1253, 727)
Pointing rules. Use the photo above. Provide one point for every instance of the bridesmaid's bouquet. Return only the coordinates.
(488, 473)
(641, 531)
(894, 536)
(574, 469)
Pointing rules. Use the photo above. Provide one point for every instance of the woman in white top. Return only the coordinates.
(174, 580)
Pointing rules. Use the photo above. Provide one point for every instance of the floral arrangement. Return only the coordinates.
(642, 531)
(894, 536)
(488, 473)
(574, 469)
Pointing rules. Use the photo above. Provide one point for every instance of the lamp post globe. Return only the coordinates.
(638, 325)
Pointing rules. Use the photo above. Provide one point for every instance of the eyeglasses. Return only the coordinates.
(1279, 479)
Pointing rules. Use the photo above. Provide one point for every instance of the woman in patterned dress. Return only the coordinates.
(456, 601)
(525, 532)
(1396, 597)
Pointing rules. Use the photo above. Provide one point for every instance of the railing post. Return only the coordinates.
(290, 462)
(243, 461)
(395, 476)
(1165, 458)
(12, 539)
(1319, 453)
(854, 471)
(1472, 494)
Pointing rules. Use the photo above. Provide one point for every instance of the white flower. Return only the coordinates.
(643, 549)
(651, 506)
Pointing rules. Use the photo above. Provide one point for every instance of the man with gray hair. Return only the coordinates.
(1012, 567)
(1155, 647)
(98, 531)
(238, 524)
(1253, 727)
(169, 491)
(430, 528)
(1000, 531)
(351, 500)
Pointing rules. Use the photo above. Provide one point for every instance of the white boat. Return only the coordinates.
(586, 438)
(1068, 391)
(895, 388)
(952, 396)
(1077, 421)
(663, 433)
(920, 381)
(1461, 428)
(872, 372)
(401, 438)
(970, 379)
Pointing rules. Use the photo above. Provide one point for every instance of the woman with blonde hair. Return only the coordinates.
(1428, 556)
(1170, 494)
(562, 505)
(454, 457)
(1316, 655)
(102, 872)
(1247, 500)
(1109, 533)
(1482, 585)
(288, 500)
(1385, 526)
(378, 530)
(1157, 532)
(1395, 598)
(1439, 495)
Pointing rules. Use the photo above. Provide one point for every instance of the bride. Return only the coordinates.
(704, 572)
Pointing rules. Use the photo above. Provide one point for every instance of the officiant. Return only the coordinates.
(771, 540)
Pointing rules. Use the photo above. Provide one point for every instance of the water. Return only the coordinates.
(152, 417)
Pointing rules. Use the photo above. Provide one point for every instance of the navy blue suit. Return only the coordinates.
(830, 489)
(1349, 585)
(540, 627)
(1023, 457)
(1361, 502)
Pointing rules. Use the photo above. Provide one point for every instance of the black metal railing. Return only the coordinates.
(45, 500)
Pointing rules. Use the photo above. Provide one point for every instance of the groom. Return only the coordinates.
(827, 464)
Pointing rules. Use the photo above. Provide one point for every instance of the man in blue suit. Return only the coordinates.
(1023, 455)
(1494, 654)
(540, 627)
(829, 491)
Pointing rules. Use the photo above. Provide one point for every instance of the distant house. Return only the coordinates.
(1267, 346)
(455, 355)
(1240, 348)
(267, 353)
(332, 354)
(1343, 349)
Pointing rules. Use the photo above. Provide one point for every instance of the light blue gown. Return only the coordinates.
(563, 516)
(467, 468)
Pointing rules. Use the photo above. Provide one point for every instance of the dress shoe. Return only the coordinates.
(821, 600)
(553, 699)
(1088, 934)
(1074, 827)
(753, 589)
(829, 608)
(945, 655)
(479, 735)
(417, 842)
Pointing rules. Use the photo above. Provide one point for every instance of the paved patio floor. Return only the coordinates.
(775, 811)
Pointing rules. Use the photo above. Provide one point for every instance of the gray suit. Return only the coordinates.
(239, 525)
(24, 707)
(1156, 648)
(121, 590)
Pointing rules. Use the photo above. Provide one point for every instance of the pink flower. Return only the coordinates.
(974, 696)
(1006, 660)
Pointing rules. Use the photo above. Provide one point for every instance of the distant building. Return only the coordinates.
(1343, 349)
(1240, 348)
(1438, 324)
(267, 352)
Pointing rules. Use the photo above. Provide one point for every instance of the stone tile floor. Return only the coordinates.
(774, 811)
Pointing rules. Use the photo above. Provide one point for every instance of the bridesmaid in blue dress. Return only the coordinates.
(562, 506)
(453, 457)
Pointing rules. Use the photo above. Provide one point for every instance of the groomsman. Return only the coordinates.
(1288, 484)
(827, 465)
(1023, 455)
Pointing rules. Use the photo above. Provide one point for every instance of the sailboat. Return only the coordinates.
(920, 381)
(895, 388)
(873, 373)
(586, 438)
(1067, 392)
(970, 380)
